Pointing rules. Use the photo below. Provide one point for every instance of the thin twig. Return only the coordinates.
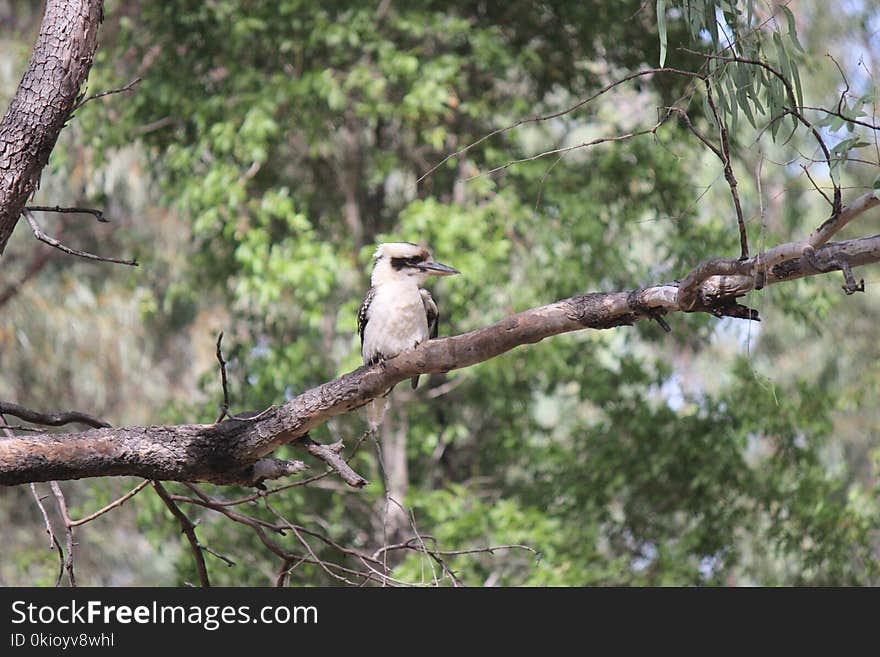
(815, 186)
(68, 530)
(728, 171)
(556, 115)
(52, 540)
(794, 109)
(229, 562)
(845, 91)
(51, 419)
(98, 214)
(287, 567)
(565, 149)
(224, 409)
(840, 115)
(330, 455)
(108, 92)
(409, 545)
(51, 241)
(690, 126)
(21, 427)
(188, 529)
(116, 503)
(307, 546)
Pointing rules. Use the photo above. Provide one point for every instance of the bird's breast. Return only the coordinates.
(396, 321)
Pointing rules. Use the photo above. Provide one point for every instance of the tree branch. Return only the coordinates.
(51, 241)
(131, 85)
(188, 529)
(51, 419)
(97, 214)
(68, 530)
(234, 451)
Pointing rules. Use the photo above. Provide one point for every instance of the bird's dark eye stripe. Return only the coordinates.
(400, 263)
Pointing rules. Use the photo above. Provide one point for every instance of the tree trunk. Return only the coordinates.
(44, 101)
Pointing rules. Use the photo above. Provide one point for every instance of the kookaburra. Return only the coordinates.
(398, 314)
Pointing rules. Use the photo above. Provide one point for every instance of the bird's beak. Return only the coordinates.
(438, 269)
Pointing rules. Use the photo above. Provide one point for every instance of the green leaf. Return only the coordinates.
(798, 89)
(743, 101)
(792, 27)
(834, 170)
(661, 28)
(782, 55)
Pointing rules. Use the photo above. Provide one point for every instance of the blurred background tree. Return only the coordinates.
(267, 149)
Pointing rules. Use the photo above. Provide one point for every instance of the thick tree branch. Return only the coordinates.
(42, 104)
(233, 451)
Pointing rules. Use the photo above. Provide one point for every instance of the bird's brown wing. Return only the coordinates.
(433, 316)
(362, 313)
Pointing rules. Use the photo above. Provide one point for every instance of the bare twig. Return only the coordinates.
(51, 241)
(229, 562)
(188, 529)
(131, 85)
(260, 526)
(414, 544)
(330, 455)
(845, 91)
(114, 504)
(306, 545)
(815, 186)
(224, 409)
(54, 543)
(39, 500)
(840, 115)
(68, 530)
(98, 214)
(678, 111)
(20, 427)
(556, 115)
(287, 567)
(51, 419)
(566, 149)
(728, 171)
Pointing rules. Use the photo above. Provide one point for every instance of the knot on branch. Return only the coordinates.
(635, 301)
(592, 311)
(690, 295)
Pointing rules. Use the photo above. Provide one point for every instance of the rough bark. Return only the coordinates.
(234, 450)
(46, 96)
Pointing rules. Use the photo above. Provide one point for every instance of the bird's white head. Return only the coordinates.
(401, 261)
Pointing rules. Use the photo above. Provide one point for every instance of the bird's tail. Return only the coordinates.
(376, 412)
